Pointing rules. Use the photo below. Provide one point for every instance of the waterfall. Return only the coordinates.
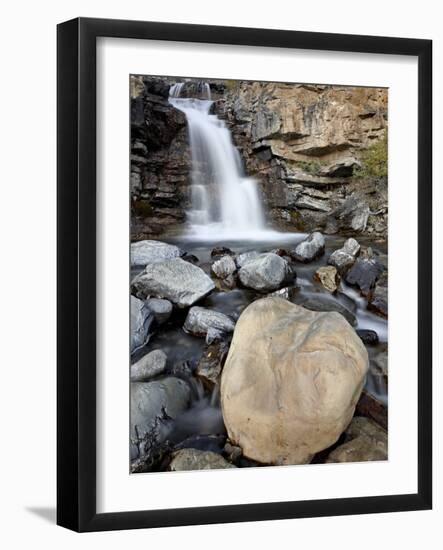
(225, 203)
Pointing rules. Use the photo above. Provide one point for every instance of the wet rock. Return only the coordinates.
(161, 309)
(141, 321)
(193, 459)
(368, 337)
(176, 280)
(344, 257)
(311, 248)
(224, 267)
(380, 362)
(244, 258)
(291, 381)
(324, 303)
(364, 274)
(232, 452)
(152, 405)
(328, 277)
(265, 272)
(378, 298)
(214, 335)
(285, 293)
(199, 320)
(191, 258)
(211, 364)
(146, 252)
(365, 441)
(150, 365)
(220, 251)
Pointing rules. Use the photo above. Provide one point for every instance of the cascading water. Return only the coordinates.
(225, 203)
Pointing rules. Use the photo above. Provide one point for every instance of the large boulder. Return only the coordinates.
(291, 381)
(200, 320)
(152, 404)
(141, 321)
(194, 459)
(264, 272)
(176, 280)
(146, 252)
(344, 257)
(311, 248)
(150, 365)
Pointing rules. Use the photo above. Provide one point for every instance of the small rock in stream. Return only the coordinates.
(369, 337)
(364, 274)
(141, 321)
(224, 267)
(211, 364)
(199, 320)
(193, 459)
(344, 257)
(311, 248)
(161, 309)
(264, 272)
(328, 277)
(221, 251)
(150, 365)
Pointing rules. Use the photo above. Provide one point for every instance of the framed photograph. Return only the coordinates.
(244, 274)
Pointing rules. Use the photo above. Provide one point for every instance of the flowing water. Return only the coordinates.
(225, 203)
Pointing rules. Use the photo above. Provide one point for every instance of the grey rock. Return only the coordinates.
(378, 299)
(310, 203)
(311, 248)
(344, 257)
(224, 267)
(161, 309)
(342, 168)
(244, 258)
(176, 280)
(265, 272)
(213, 335)
(368, 337)
(146, 252)
(199, 320)
(193, 459)
(152, 403)
(353, 213)
(141, 321)
(364, 441)
(150, 365)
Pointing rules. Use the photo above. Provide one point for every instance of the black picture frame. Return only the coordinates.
(76, 281)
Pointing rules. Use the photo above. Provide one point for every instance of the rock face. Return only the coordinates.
(193, 459)
(141, 321)
(304, 143)
(264, 272)
(291, 381)
(176, 280)
(344, 257)
(311, 248)
(147, 252)
(200, 320)
(150, 402)
(150, 365)
(328, 277)
(160, 159)
(365, 440)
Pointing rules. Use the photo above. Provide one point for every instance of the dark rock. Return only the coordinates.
(378, 298)
(364, 274)
(371, 407)
(310, 249)
(344, 257)
(211, 364)
(221, 251)
(324, 303)
(191, 258)
(369, 337)
(341, 168)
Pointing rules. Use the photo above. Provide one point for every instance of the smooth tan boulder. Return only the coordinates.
(291, 381)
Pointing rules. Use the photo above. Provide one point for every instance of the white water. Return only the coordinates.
(225, 203)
